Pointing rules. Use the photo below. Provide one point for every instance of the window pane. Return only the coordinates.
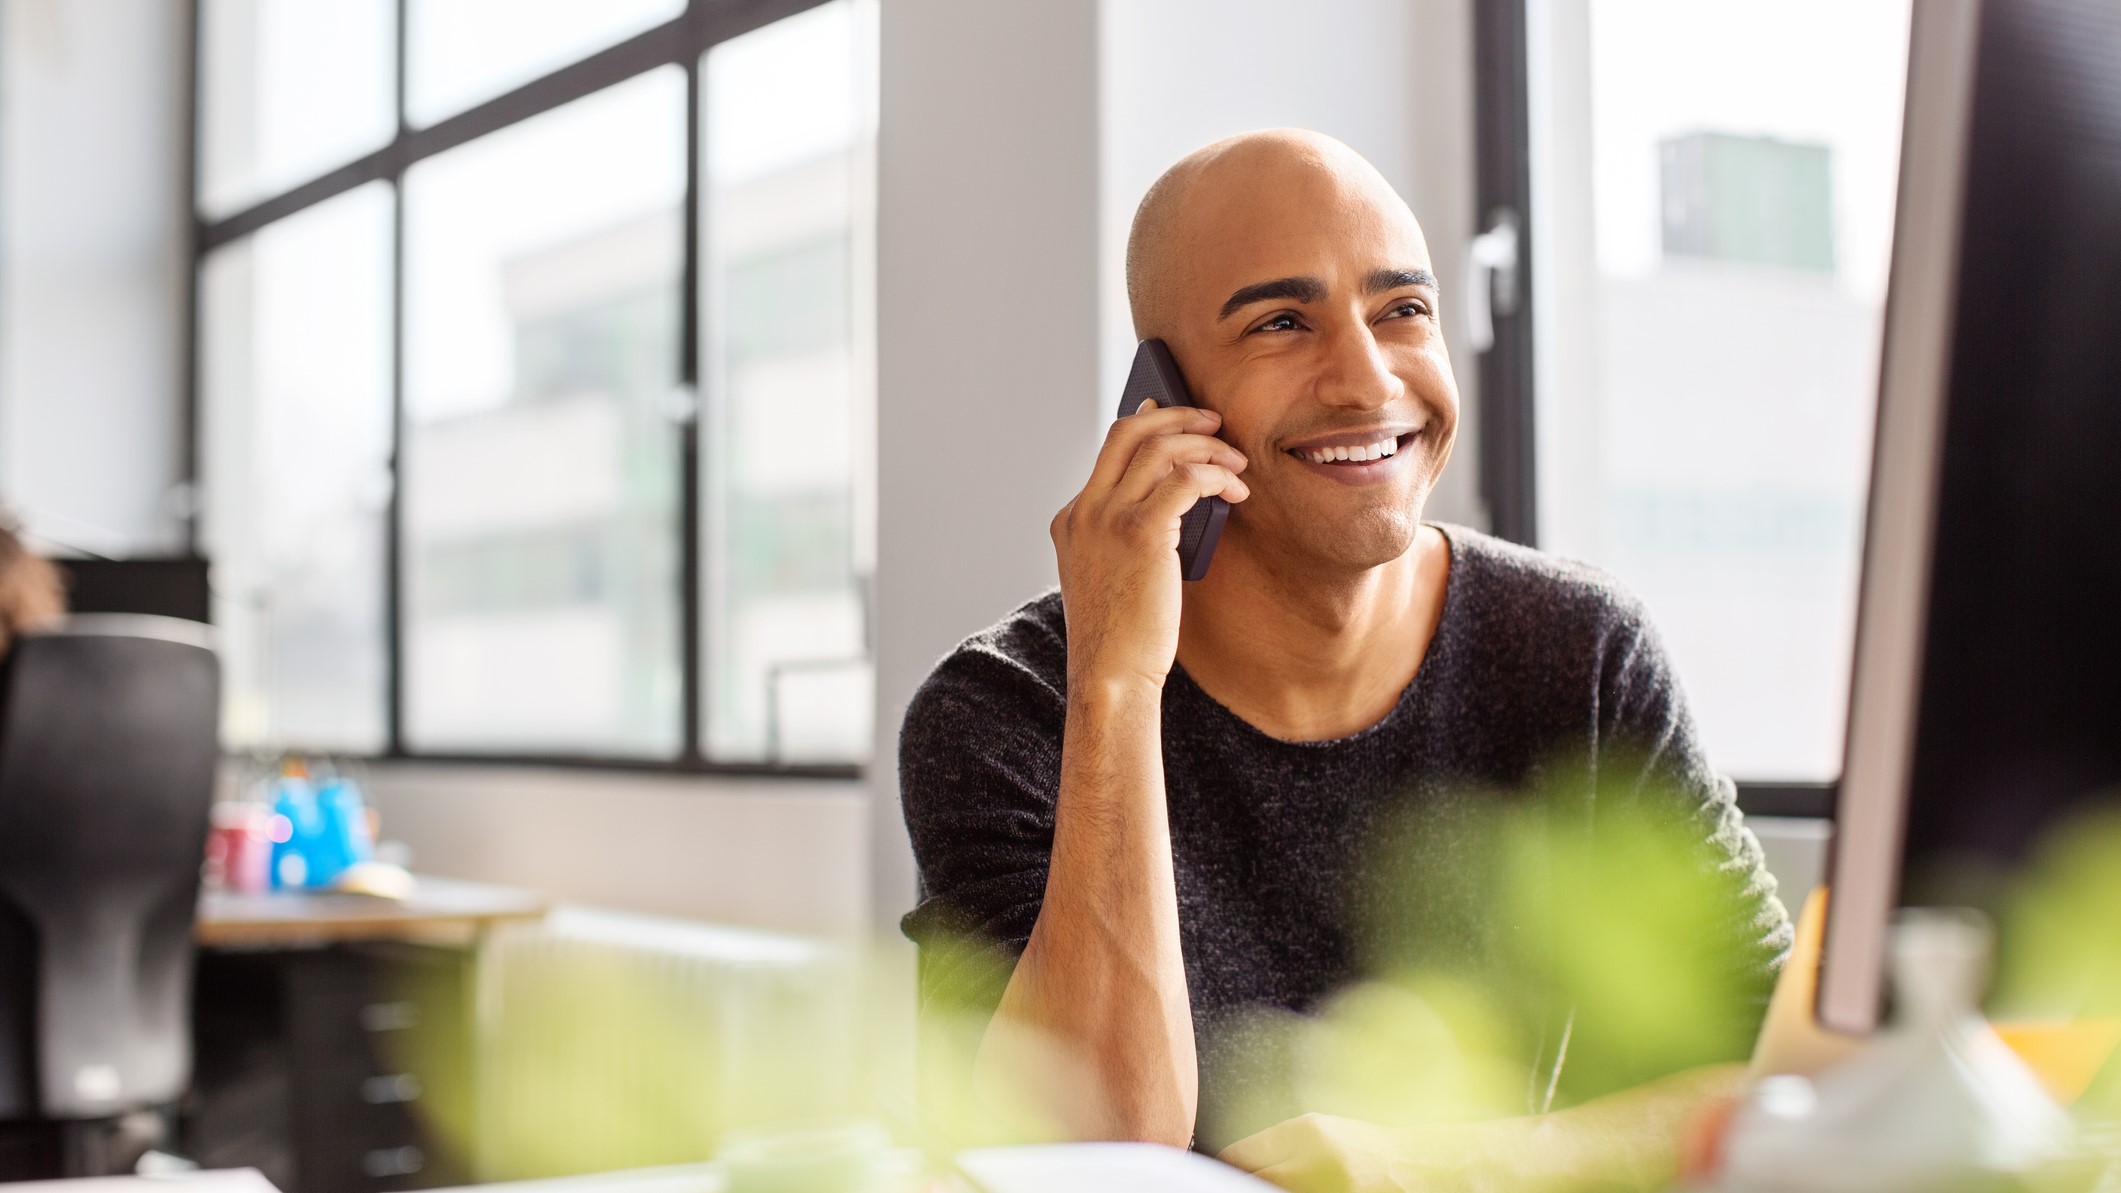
(460, 53)
(789, 430)
(288, 90)
(295, 391)
(541, 459)
(1713, 248)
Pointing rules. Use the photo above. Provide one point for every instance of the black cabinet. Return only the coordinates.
(339, 1069)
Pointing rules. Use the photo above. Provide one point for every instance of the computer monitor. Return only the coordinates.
(1986, 698)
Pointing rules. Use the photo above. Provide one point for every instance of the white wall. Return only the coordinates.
(92, 268)
(988, 370)
(1568, 430)
(788, 855)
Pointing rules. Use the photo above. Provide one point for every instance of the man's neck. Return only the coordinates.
(1303, 655)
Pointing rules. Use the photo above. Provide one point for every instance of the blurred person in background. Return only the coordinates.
(1142, 809)
(31, 591)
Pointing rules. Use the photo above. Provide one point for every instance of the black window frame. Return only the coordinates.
(1509, 472)
(681, 41)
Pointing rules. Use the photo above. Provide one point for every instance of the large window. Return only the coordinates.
(1710, 191)
(541, 487)
(295, 361)
(788, 354)
(535, 376)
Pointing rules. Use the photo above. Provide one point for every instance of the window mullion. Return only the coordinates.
(1503, 184)
(394, 528)
(188, 471)
(691, 591)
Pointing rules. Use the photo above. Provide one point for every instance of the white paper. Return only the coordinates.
(1116, 1167)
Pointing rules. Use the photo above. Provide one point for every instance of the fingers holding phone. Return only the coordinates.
(1118, 542)
(1190, 459)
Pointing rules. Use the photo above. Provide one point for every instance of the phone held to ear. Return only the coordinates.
(1155, 377)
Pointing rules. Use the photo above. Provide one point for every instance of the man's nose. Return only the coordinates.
(1356, 373)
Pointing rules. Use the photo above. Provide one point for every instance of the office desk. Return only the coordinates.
(440, 911)
(334, 1035)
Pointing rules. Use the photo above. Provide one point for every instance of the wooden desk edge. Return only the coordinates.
(238, 933)
(477, 906)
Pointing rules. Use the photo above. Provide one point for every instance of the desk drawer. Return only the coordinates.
(351, 1071)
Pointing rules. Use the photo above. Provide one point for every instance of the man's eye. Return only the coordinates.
(1408, 308)
(1278, 323)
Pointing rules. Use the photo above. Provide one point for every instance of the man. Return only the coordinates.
(1154, 796)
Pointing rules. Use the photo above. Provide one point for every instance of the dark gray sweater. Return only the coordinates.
(1535, 664)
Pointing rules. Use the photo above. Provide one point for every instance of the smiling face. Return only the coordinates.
(1295, 290)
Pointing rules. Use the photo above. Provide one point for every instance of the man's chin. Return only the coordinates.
(1370, 539)
(1330, 538)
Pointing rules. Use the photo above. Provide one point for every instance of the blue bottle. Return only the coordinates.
(296, 824)
(343, 837)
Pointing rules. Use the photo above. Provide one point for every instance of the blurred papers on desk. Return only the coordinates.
(1116, 1167)
(225, 1180)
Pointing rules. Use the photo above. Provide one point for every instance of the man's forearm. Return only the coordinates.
(1103, 978)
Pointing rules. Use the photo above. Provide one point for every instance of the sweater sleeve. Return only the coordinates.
(1645, 724)
(979, 772)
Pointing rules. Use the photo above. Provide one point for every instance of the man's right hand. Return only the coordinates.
(1103, 977)
(1117, 541)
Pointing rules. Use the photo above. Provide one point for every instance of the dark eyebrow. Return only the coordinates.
(1311, 289)
(1300, 289)
(1381, 280)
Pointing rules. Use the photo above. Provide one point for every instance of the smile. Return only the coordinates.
(1359, 453)
(1356, 456)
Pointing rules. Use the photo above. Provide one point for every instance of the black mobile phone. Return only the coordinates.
(1155, 377)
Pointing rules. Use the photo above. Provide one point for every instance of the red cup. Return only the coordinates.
(239, 848)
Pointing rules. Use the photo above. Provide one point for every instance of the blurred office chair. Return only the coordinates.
(107, 756)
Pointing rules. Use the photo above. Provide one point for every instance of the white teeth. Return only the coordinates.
(1361, 454)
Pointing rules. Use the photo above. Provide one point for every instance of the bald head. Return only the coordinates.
(1250, 185)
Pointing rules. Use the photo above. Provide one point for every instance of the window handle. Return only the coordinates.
(1492, 288)
(680, 405)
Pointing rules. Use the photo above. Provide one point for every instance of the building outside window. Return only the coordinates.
(536, 395)
(1710, 246)
(788, 342)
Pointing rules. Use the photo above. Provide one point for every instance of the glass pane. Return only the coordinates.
(460, 53)
(295, 401)
(789, 351)
(541, 458)
(1713, 250)
(289, 89)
